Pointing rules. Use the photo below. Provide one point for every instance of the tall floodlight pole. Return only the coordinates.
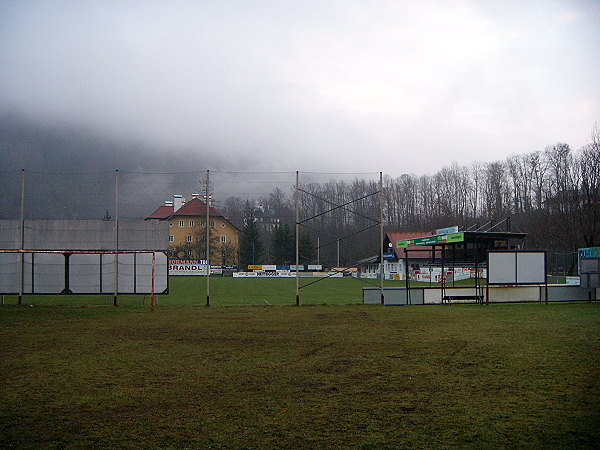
(22, 237)
(116, 232)
(381, 270)
(207, 238)
(297, 201)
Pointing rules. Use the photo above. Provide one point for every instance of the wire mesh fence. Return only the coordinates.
(279, 226)
(340, 218)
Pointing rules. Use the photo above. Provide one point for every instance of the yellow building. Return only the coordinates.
(187, 230)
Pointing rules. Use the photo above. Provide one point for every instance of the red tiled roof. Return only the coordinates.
(193, 208)
(163, 212)
(196, 207)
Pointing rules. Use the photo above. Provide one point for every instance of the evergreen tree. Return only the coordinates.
(284, 246)
(306, 249)
(251, 247)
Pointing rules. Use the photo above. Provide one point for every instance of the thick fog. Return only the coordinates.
(398, 86)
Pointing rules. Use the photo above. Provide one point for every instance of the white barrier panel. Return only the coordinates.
(497, 294)
(523, 267)
(83, 273)
(393, 296)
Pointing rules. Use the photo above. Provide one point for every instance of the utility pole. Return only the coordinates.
(115, 303)
(207, 205)
(297, 197)
(381, 270)
(22, 238)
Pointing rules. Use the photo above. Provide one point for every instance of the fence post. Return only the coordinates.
(116, 232)
(382, 269)
(297, 201)
(152, 287)
(22, 238)
(207, 206)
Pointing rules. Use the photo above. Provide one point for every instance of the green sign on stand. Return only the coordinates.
(432, 240)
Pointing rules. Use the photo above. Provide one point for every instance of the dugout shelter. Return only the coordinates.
(450, 248)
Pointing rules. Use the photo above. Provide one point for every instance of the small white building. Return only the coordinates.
(394, 262)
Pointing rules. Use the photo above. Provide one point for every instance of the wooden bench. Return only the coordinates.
(450, 298)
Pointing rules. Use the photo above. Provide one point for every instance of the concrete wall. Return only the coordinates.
(393, 296)
(85, 235)
(497, 294)
(514, 294)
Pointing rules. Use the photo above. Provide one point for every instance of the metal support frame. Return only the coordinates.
(67, 255)
(344, 206)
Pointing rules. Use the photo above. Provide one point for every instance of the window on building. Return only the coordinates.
(181, 223)
(212, 223)
(191, 224)
(222, 225)
(203, 224)
(223, 238)
(171, 238)
(170, 224)
(189, 238)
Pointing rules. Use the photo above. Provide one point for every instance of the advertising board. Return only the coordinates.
(191, 267)
(432, 240)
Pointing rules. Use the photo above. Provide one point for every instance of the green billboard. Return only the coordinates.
(432, 240)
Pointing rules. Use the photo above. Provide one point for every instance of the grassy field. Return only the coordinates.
(228, 291)
(344, 375)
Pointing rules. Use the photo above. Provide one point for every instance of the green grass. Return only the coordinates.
(342, 375)
(228, 291)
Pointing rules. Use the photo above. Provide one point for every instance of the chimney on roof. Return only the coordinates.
(194, 196)
(178, 202)
(168, 202)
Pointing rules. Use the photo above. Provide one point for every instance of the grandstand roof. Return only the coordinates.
(416, 252)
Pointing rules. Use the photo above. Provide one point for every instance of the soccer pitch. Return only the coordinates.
(342, 375)
(228, 291)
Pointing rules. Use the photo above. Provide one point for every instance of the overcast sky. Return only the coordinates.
(350, 86)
